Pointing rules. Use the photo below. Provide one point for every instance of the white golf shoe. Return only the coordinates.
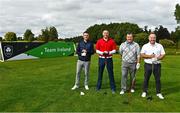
(160, 96)
(86, 87)
(121, 92)
(132, 90)
(143, 94)
(74, 87)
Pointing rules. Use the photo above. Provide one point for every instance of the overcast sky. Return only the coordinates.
(72, 17)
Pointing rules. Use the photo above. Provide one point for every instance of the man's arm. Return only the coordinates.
(78, 49)
(112, 52)
(99, 52)
(120, 49)
(138, 54)
(91, 50)
(143, 55)
(161, 57)
(114, 48)
(97, 49)
(162, 53)
(138, 59)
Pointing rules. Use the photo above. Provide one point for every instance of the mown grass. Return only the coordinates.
(45, 85)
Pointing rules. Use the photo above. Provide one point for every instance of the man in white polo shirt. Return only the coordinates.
(152, 53)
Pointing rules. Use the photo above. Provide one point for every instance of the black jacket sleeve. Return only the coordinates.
(78, 49)
(92, 49)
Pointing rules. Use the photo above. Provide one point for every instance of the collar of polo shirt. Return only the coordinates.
(106, 39)
(152, 44)
(129, 42)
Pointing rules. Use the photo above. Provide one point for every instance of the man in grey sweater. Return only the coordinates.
(130, 52)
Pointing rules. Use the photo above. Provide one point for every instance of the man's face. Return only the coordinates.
(152, 38)
(86, 36)
(129, 38)
(106, 34)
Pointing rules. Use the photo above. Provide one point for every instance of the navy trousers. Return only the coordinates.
(108, 62)
(156, 70)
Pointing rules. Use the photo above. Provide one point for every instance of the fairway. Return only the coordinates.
(45, 85)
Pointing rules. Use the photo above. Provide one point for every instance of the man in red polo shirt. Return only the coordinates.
(106, 47)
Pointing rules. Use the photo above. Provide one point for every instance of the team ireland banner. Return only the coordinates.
(34, 50)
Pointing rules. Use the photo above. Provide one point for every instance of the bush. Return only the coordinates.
(167, 43)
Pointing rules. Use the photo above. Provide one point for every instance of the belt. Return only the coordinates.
(105, 57)
(152, 63)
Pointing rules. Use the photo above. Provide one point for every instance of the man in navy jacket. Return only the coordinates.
(84, 50)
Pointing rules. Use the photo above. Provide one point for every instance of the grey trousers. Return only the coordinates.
(82, 65)
(127, 68)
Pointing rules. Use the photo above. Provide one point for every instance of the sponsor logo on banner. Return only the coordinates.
(8, 50)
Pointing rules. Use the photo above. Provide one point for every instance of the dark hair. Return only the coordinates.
(130, 33)
(152, 33)
(85, 32)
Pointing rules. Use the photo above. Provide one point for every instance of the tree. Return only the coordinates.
(1, 39)
(48, 34)
(146, 29)
(117, 38)
(19, 38)
(10, 36)
(162, 33)
(74, 39)
(28, 35)
(141, 38)
(114, 29)
(177, 13)
(45, 35)
(175, 36)
(53, 34)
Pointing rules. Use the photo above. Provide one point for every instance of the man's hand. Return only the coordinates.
(152, 56)
(105, 53)
(84, 51)
(137, 66)
(154, 59)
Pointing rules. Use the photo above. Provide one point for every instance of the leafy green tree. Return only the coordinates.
(162, 33)
(53, 34)
(115, 29)
(117, 38)
(19, 38)
(28, 35)
(1, 39)
(45, 35)
(74, 39)
(177, 13)
(48, 34)
(175, 36)
(10, 36)
(141, 38)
